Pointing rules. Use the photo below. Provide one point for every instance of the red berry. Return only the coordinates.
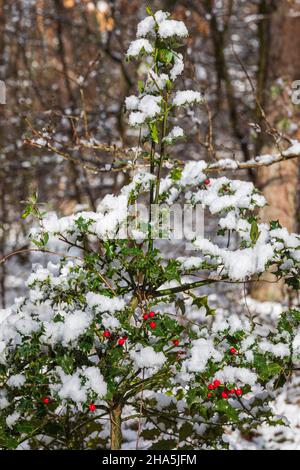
(125, 337)
(216, 383)
(232, 391)
(210, 387)
(121, 341)
(209, 395)
(151, 314)
(176, 342)
(92, 407)
(145, 316)
(232, 350)
(224, 394)
(239, 392)
(152, 324)
(106, 334)
(46, 400)
(206, 181)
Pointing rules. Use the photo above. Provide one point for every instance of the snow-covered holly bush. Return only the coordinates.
(117, 338)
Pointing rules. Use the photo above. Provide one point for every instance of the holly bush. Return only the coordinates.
(117, 336)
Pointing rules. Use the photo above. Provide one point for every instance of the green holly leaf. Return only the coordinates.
(203, 302)
(254, 232)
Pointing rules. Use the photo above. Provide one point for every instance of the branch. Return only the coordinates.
(40, 250)
(229, 164)
(182, 288)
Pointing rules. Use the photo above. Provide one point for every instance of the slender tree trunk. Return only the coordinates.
(279, 66)
(115, 428)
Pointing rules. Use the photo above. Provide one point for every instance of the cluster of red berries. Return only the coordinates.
(146, 316)
(121, 341)
(225, 393)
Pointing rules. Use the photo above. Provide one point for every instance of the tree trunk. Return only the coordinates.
(115, 428)
(281, 64)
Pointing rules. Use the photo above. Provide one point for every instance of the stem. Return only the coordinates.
(162, 149)
(115, 427)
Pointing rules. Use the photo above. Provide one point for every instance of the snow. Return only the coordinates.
(77, 386)
(278, 350)
(236, 375)
(16, 381)
(155, 81)
(176, 133)
(202, 350)
(242, 195)
(228, 163)
(192, 173)
(147, 357)
(136, 119)
(147, 25)
(149, 105)
(239, 264)
(139, 45)
(103, 303)
(170, 28)
(95, 381)
(187, 97)
(75, 325)
(132, 103)
(294, 149)
(178, 66)
(12, 419)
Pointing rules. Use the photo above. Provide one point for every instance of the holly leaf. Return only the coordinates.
(165, 56)
(154, 133)
(203, 302)
(254, 232)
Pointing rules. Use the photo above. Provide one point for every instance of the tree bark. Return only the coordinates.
(276, 72)
(115, 427)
